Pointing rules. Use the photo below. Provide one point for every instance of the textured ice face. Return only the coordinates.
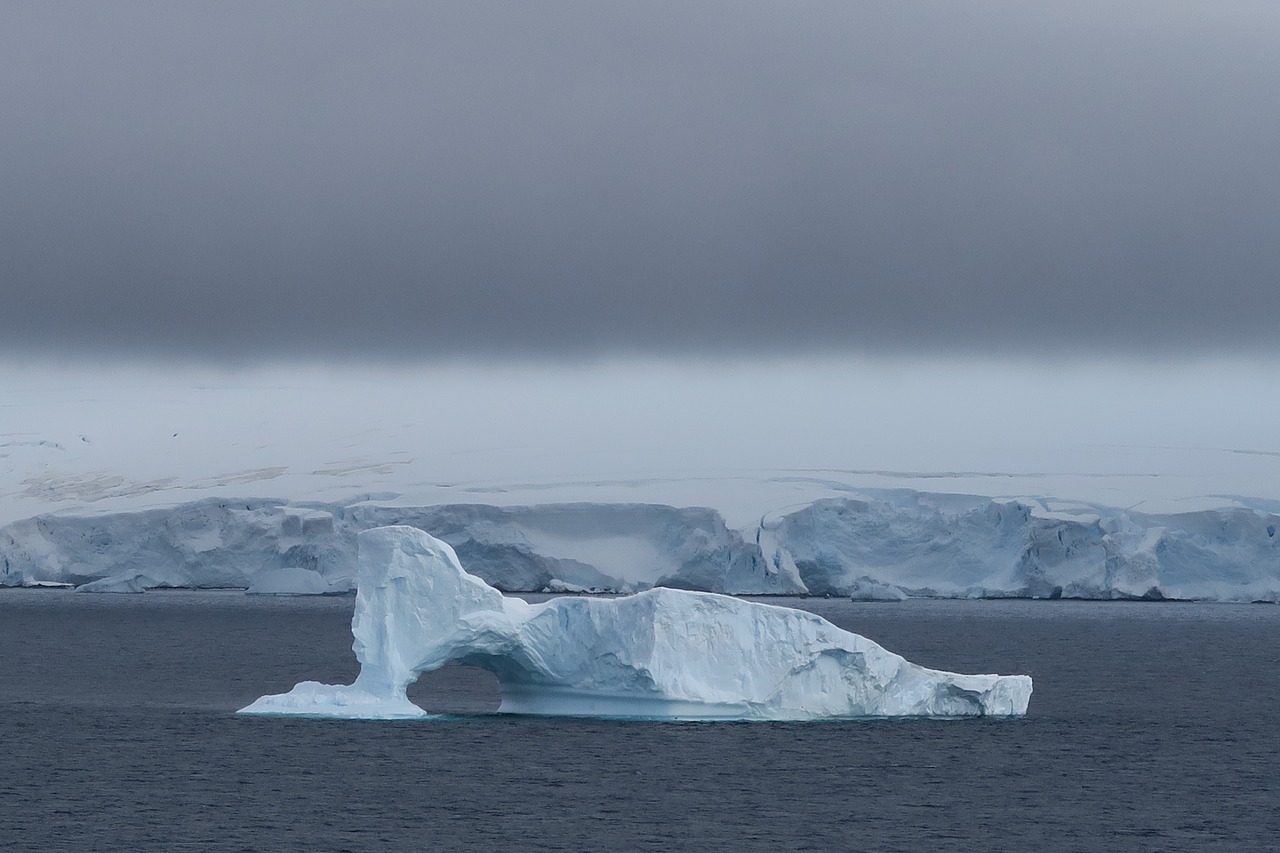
(878, 545)
(973, 547)
(663, 653)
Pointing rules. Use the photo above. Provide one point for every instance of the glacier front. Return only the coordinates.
(886, 544)
(663, 653)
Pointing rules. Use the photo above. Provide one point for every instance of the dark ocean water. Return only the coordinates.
(1152, 727)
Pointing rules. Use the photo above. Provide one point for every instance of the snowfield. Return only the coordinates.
(622, 478)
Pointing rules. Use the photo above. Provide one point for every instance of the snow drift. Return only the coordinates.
(658, 654)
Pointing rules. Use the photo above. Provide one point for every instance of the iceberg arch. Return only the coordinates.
(663, 653)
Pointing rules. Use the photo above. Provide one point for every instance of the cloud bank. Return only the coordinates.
(234, 181)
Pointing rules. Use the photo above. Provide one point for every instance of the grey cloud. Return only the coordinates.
(238, 180)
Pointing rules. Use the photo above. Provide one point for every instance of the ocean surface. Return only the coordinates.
(1153, 726)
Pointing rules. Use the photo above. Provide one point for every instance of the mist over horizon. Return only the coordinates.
(235, 184)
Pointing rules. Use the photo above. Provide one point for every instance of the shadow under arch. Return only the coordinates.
(457, 688)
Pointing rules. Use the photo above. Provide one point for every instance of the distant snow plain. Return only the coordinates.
(913, 447)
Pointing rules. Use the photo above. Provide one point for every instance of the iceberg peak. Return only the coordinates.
(663, 653)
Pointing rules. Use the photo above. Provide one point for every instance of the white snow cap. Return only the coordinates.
(663, 653)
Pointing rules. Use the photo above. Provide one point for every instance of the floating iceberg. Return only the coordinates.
(663, 653)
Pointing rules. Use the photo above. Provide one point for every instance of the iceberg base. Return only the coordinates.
(313, 699)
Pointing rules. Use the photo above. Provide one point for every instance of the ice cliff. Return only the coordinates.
(663, 653)
(229, 543)
(883, 545)
(962, 546)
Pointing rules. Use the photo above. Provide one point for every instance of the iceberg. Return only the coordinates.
(659, 654)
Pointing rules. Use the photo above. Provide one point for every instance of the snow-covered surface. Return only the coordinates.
(742, 439)
(663, 653)
(872, 479)
(921, 544)
(873, 545)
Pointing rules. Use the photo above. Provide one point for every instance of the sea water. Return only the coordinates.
(1153, 726)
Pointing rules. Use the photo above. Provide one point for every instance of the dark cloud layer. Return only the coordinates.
(235, 180)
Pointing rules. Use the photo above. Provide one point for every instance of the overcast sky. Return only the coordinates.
(234, 181)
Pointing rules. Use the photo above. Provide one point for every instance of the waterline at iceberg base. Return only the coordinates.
(659, 654)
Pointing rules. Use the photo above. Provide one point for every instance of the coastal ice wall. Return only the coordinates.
(607, 547)
(205, 544)
(274, 546)
(876, 545)
(963, 546)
